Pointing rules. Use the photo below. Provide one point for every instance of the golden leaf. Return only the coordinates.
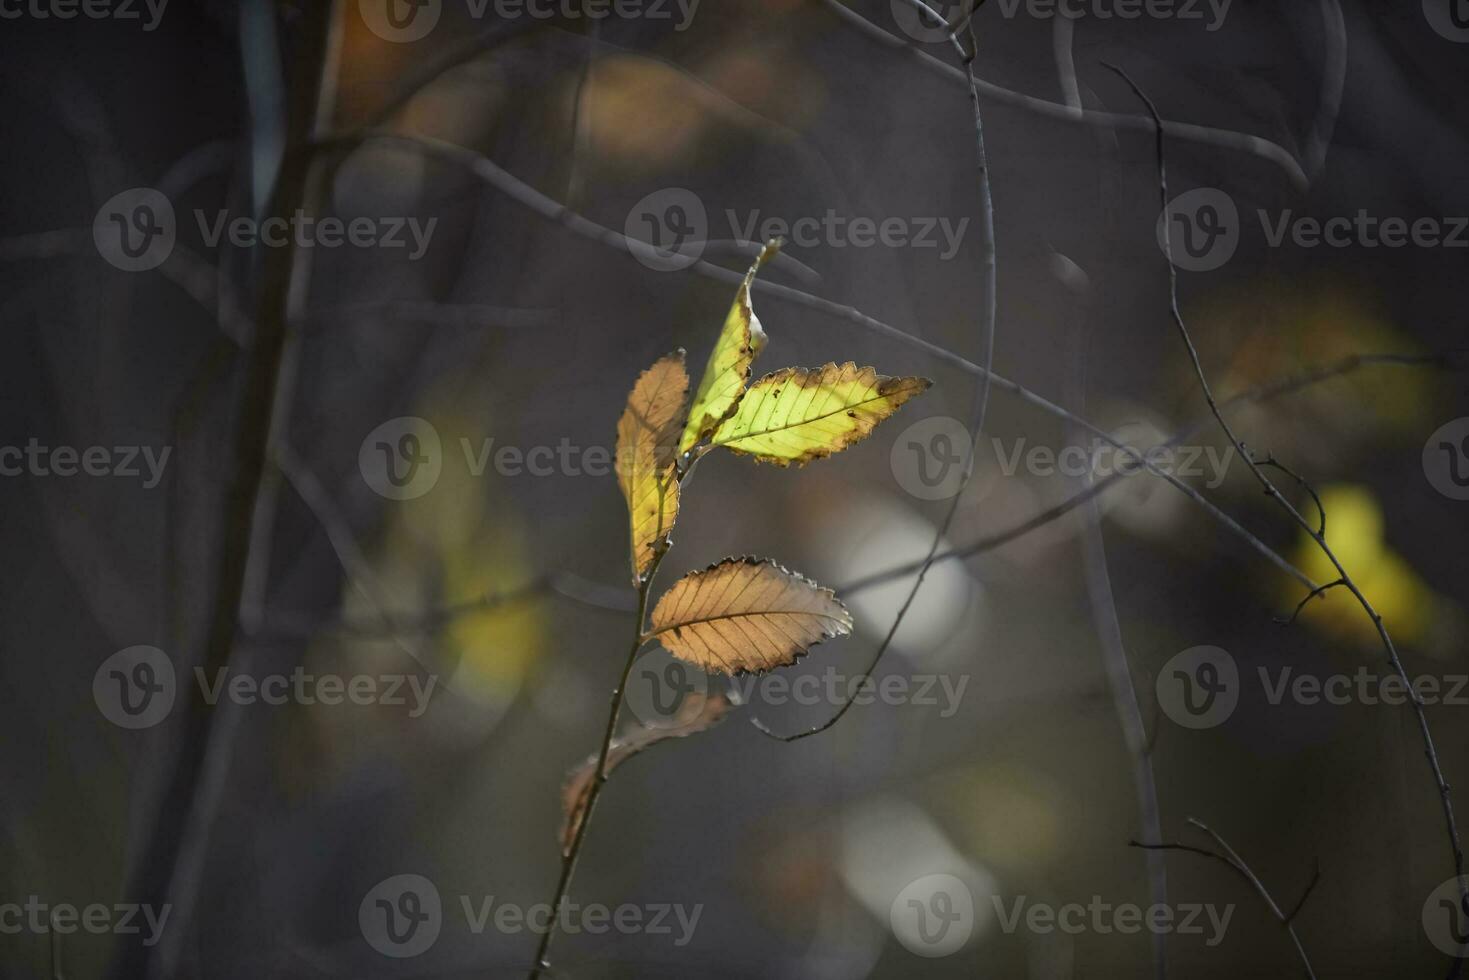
(797, 414)
(746, 615)
(697, 713)
(646, 440)
(728, 370)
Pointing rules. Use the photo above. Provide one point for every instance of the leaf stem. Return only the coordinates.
(568, 863)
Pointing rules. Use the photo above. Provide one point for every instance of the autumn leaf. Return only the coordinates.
(697, 713)
(797, 414)
(746, 615)
(646, 456)
(728, 370)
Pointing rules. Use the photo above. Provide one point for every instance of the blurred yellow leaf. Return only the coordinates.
(796, 415)
(1354, 530)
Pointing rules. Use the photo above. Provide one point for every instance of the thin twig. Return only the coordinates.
(1227, 855)
(541, 964)
(988, 320)
(1221, 138)
(1258, 470)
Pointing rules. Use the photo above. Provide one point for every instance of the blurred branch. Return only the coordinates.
(185, 268)
(1257, 469)
(599, 596)
(450, 314)
(1333, 85)
(1452, 361)
(171, 861)
(487, 170)
(1220, 138)
(1237, 864)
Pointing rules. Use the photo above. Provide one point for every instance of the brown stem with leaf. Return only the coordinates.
(568, 862)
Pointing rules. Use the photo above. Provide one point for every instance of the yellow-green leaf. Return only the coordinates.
(647, 437)
(799, 414)
(728, 370)
(746, 615)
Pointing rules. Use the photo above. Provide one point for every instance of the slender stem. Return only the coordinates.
(568, 862)
(1227, 855)
(988, 319)
(1317, 534)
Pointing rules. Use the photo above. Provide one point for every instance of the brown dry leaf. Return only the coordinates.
(647, 441)
(746, 615)
(697, 713)
(797, 414)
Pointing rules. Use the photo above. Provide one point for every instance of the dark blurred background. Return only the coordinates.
(266, 828)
